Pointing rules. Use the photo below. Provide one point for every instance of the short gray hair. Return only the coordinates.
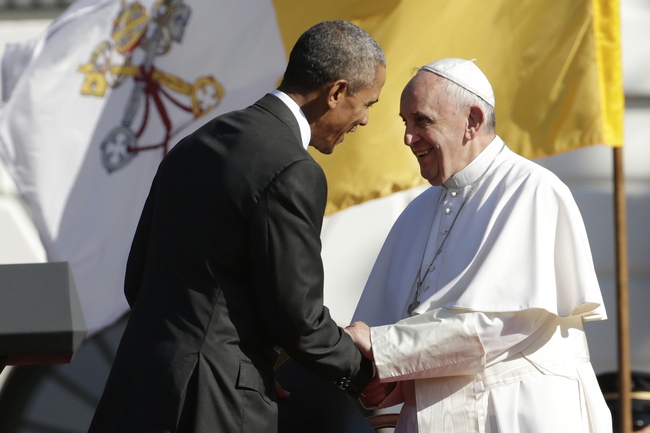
(462, 98)
(330, 51)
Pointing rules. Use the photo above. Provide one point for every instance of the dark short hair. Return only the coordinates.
(330, 51)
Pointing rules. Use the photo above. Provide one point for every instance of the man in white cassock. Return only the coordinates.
(473, 313)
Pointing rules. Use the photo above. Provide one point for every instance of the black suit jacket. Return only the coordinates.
(225, 267)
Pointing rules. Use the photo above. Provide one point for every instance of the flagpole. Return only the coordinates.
(622, 282)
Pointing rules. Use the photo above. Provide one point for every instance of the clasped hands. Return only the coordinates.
(375, 393)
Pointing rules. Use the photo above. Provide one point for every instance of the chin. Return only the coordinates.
(326, 146)
(433, 180)
(324, 150)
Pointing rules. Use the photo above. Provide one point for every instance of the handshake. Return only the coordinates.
(376, 393)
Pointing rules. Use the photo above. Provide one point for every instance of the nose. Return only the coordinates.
(410, 138)
(410, 134)
(366, 118)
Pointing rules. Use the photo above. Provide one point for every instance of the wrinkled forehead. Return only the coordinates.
(422, 91)
(424, 81)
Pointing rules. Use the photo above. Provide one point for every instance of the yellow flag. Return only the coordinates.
(555, 67)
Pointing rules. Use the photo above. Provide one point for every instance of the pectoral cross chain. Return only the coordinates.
(416, 302)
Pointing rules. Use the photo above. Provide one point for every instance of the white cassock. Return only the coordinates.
(496, 343)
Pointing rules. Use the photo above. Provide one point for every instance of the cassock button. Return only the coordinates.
(454, 193)
(444, 232)
(447, 211)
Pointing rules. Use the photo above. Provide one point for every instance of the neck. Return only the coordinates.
(307, 101)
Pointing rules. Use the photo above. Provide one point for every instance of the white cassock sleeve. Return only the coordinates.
(446, 342)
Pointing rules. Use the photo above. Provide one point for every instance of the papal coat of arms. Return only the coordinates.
(111, 63)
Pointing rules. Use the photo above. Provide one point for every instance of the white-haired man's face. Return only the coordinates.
(435, 129)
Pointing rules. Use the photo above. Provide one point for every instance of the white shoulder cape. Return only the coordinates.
(519, 243)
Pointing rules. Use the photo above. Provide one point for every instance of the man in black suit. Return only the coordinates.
(225, 265)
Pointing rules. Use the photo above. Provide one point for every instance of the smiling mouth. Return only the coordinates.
(421, 153)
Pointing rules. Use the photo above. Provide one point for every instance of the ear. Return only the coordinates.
(336, 91)
(475, 119)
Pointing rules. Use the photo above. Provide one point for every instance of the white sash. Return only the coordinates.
(460, 404)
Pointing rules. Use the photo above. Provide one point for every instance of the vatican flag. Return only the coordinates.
(108, 89)
(112, 85)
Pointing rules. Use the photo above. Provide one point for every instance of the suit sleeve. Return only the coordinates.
(286, 246)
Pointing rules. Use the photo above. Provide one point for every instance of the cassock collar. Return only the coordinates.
(305, 130)
(477, 167)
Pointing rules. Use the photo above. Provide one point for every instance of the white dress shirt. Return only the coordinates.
(305, 129)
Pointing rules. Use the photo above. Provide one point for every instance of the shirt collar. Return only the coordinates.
(305, 130)
(477, 167)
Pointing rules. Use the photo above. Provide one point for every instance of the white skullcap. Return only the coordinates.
(464, 73)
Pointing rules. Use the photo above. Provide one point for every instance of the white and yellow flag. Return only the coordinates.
(112, 85)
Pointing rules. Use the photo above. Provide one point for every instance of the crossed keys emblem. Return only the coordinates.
(112, 62)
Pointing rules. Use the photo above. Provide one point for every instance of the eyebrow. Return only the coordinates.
(417, 114)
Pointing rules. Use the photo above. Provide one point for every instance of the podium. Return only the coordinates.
(41, 321)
